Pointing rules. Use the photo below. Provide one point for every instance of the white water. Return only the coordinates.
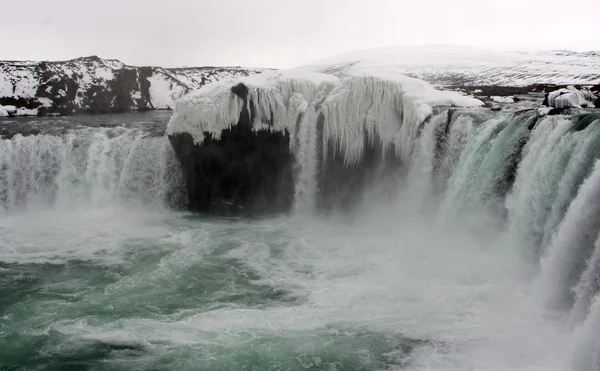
(87, 168)
(298, 292)
(307, 163)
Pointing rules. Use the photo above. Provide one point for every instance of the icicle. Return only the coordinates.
(356, 110)
(215, 107)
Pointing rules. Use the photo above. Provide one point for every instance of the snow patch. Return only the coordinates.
(502, 99)
(45, 102)
(163, 93)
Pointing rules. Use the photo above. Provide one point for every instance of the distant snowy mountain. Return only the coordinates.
(468, 66)
(93, 84)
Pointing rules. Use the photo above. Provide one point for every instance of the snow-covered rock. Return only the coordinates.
(93, 84)
(571, 97)
(355, 109)
(459, 66)
(277, 96)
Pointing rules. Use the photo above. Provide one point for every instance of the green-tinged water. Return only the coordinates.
(496, 219)
(176, 291)
(158, 290)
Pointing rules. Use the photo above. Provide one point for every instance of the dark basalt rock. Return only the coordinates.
(243, 172)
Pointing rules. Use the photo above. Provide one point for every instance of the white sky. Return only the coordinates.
(282, 33)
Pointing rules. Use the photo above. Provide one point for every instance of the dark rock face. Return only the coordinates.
(243, 172)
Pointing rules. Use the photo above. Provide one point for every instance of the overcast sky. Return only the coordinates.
(282, 33)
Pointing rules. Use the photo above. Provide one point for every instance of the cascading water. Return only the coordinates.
(88, 168)
(552, 212)
(307, 163)
(399, 287)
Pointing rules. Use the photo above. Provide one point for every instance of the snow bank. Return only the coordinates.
(357, 109)
(571, 97)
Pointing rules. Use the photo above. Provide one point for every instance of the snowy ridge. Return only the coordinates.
(456, 65)
(356, 109)
(93, 84)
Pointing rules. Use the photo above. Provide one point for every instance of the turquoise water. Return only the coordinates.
(154, 289)
(99, 271)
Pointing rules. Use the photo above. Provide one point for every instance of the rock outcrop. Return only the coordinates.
(240, 172)
(264, 143)
(96, 85)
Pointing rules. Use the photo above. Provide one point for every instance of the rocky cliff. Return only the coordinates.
(96, 85)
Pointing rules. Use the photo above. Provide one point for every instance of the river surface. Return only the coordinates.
(100, 269)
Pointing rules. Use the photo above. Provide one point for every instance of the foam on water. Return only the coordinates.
(383, 291)
(96, 272)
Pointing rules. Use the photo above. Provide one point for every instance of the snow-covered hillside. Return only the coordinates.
(460, 66)
(93, 84)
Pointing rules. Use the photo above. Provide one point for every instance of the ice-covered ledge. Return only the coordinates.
(356, 109)
(276, 97)
(261, 143)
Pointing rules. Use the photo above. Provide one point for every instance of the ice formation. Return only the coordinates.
(278, 98)
(356, 109)
(571, 97)
(391, 108)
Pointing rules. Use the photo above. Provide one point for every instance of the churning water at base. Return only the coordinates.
(98, 272)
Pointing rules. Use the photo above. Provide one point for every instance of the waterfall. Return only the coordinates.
(545, 159)
(481, 176)
(572, 245)
(88, 168)
(420, 177)
(587, 288)
(307, 162)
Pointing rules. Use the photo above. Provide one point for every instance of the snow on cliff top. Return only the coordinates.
(456, 65)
